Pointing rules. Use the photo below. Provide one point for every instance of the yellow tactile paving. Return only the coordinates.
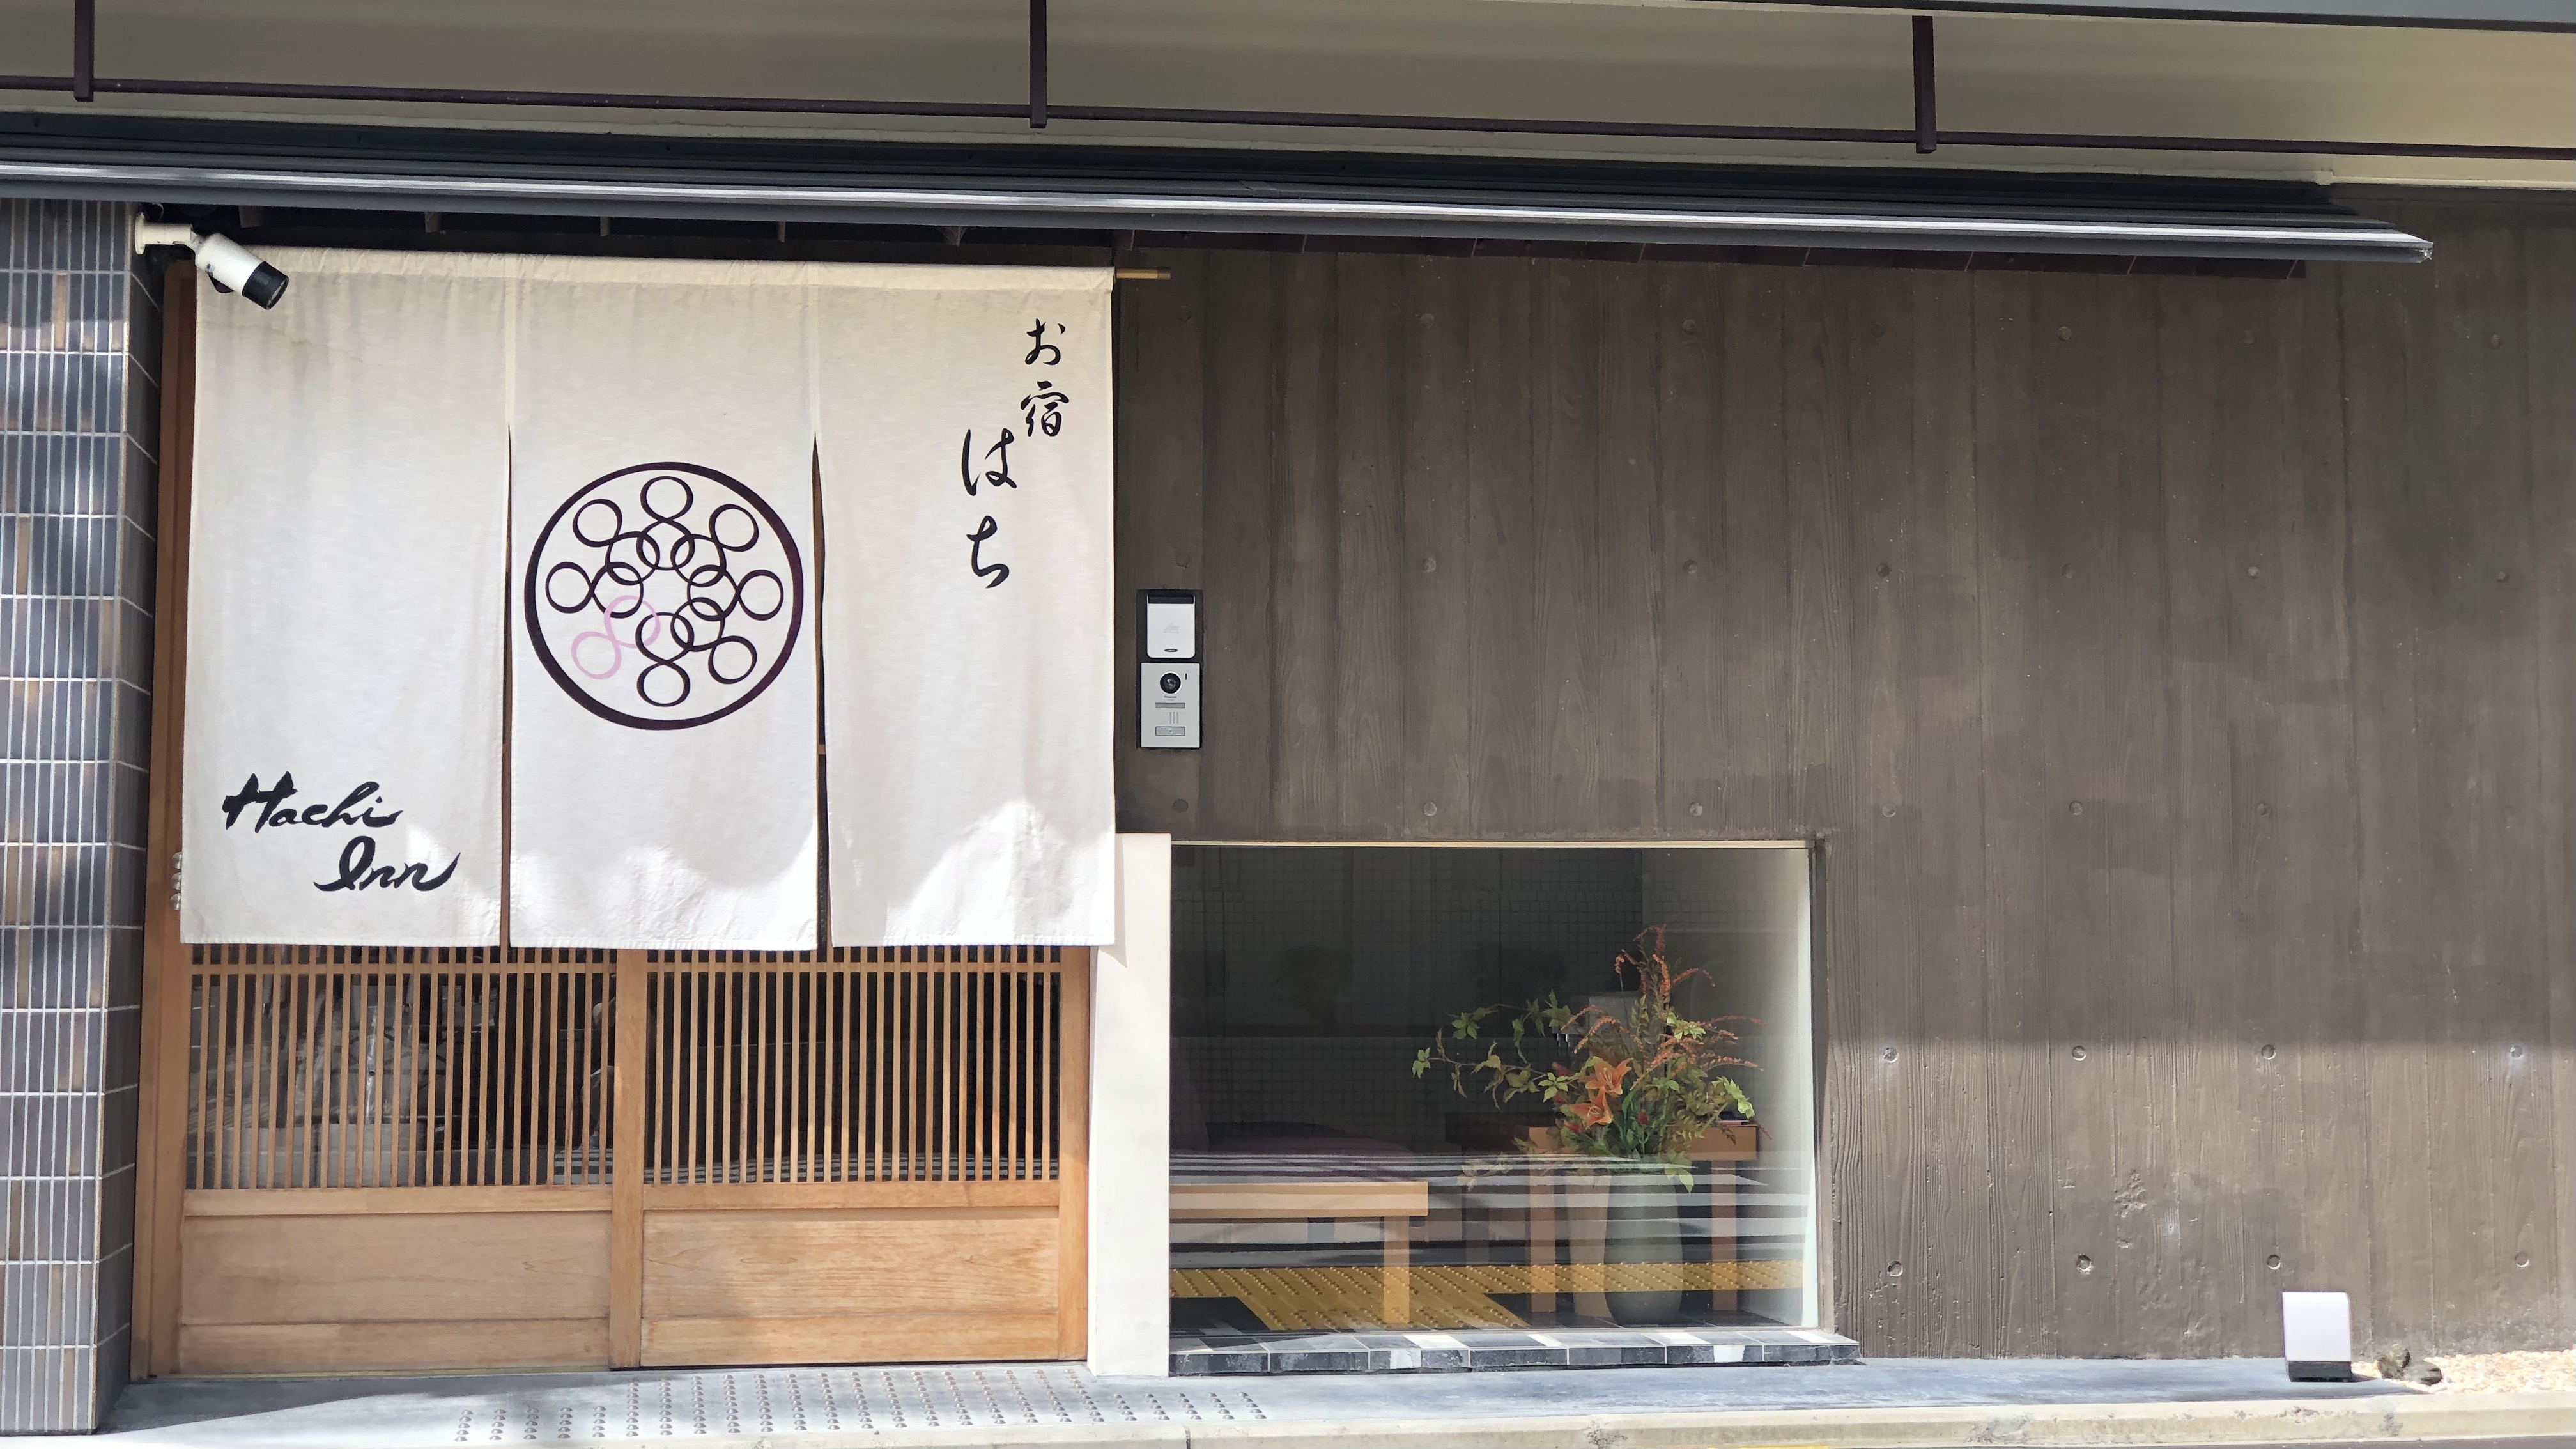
(1344, 1299)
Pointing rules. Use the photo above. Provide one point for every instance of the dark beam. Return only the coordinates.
(84, 49)
(1037, 65)
(1927, 114)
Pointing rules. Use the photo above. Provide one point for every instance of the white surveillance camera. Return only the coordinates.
(233, 267)
(229, 265)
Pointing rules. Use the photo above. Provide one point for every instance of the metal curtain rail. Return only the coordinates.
(83, 84)
(1263, 209)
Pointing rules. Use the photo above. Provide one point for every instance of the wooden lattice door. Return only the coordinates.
(874, 1158)
(367, 1158)
(397, 1159)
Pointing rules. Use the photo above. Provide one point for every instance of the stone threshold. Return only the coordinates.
(1397, 1351)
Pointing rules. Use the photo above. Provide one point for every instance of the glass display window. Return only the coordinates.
(1491, 1088)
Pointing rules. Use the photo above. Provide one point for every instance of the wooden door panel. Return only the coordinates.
(393, 1348)
(853, 1338)
(792, 1264)
(411, 1266)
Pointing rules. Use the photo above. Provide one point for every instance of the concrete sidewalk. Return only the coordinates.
(1894, 1402)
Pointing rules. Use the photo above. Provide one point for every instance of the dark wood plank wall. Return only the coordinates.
(2174, 673)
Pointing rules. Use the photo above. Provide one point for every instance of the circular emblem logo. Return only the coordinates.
(664, 596)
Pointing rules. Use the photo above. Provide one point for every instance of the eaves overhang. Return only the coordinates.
(1200, 192)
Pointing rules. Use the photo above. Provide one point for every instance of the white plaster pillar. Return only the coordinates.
(1131, 1121)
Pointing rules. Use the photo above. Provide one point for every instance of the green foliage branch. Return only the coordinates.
(1640, 1085)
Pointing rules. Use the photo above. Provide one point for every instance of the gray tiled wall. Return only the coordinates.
(79, 409)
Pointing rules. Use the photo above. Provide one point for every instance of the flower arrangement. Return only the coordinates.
(1643, 1084)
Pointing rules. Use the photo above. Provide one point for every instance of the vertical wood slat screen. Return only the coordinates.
(883, 1064)
(355, 1066)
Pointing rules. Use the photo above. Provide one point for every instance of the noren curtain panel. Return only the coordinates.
(735, 527)
(662, 780)
(348, 533)
(968, 514)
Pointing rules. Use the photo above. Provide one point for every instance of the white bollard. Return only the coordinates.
(2316, 1336)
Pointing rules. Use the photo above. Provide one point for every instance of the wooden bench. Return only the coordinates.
(1394, 1203)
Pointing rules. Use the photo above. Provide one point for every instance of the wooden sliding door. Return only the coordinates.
(390, 1159)
(402, 1160)
(871, 1159)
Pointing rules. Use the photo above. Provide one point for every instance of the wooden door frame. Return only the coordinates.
(161, 1103)
(1073, 1160)
(625, 1180)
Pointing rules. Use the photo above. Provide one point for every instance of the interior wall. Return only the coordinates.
(2173, 672)
(1306, 980)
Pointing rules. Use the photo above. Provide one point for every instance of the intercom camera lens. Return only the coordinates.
(1171, 684)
